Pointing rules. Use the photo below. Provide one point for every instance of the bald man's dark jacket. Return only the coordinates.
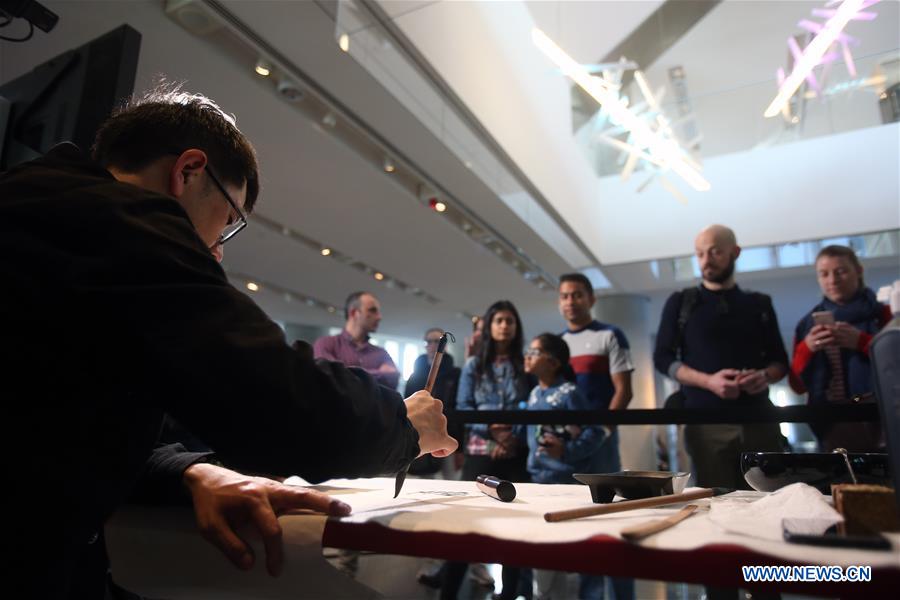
(115, 313)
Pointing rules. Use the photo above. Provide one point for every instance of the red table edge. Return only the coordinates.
(721, 563)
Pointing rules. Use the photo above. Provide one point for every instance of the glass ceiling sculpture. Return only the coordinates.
(649, 139)
(828, 43)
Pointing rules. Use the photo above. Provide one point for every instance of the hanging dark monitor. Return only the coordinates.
(67, 97)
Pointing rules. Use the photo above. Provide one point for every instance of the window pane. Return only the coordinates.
(410, 354)
(755, 259)
(597, 278)
(838, 241)
(686, 268)
(885, 243)
(393, 349)
(796, 255)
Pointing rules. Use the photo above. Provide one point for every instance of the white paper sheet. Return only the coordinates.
(458, 507)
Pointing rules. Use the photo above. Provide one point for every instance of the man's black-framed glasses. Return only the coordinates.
(235, 224)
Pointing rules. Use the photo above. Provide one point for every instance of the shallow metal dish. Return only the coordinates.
(632, 485)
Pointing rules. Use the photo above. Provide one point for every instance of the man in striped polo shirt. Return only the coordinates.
(600, 355)
(602, 363)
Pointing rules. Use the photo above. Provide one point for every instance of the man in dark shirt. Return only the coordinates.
(445, 385)
(726, 352)
(117, 312)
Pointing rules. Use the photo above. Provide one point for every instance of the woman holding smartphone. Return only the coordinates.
(831, 346)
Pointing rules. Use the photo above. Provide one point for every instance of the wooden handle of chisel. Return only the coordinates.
(614, 507)
(639, 532)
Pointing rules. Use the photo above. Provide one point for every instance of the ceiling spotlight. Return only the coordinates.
(252, 286)
(290, 91)
(263, 69)
(379, 276)
(329, 119)
(475, 319)
(437, 205)
(344, 42)
(331, 309)
(388, 165)
(326, 251)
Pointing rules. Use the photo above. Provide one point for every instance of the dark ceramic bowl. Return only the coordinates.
(768, 471)
(632, 485)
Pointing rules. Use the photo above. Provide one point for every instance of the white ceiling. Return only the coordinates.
(589, 30)
(318, 186)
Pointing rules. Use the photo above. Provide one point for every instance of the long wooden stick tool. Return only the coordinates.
(614, 507)
(429, 385)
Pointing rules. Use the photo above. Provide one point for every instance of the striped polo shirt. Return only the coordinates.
(597, 351)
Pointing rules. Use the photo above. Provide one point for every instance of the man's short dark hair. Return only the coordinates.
(167, 121)
(577, 278)
(352, 301)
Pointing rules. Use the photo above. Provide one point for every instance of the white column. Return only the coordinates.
(630, 313)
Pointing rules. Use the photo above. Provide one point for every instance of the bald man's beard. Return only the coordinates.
(725, 275)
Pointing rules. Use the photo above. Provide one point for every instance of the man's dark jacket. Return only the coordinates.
(115, 313)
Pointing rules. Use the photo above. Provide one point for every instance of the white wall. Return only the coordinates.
(813, 189)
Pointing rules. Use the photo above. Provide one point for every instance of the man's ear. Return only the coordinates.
(737, 252)
(186, 171)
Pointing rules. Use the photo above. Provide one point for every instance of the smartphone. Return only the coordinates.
(818, 532)
(823, 317)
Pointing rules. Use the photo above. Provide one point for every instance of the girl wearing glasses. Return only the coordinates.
(557, 451)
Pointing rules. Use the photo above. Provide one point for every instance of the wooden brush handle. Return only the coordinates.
(614, 507)
(638, 532)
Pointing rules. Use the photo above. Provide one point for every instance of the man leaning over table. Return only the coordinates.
(118, 312)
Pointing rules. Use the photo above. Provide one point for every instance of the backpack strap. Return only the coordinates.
(764, 303)
(689, 298)
(766, 312)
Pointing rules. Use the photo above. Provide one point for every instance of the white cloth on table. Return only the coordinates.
(763, 517)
